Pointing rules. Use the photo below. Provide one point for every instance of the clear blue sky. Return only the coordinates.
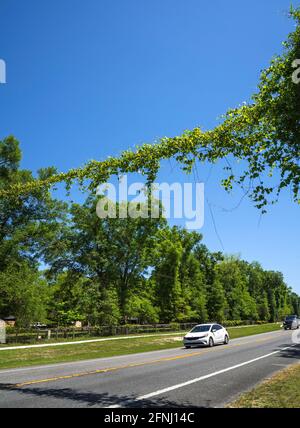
(87, 79)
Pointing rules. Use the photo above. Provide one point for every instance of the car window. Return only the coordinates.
(200, 328)
(216, 327)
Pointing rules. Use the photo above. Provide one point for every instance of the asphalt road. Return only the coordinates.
(201, 377)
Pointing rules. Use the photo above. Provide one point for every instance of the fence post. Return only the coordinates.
(2, 332)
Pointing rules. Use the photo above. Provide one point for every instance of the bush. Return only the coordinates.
(237, 323)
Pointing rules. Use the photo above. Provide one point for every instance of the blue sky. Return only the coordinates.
(89, 79)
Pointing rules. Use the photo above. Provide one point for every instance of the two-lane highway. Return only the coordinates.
(204, 377)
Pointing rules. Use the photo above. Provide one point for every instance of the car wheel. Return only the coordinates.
(187, 347)
(226, 340)
(211, 342)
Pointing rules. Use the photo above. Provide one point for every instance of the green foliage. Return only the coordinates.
(263, 308)
(26, 224)
(140, 270)
(110, 256)
(231, 275)
(217, 303)
(112, 270)
(180, 284)
(24, 294)
(238, 323)
(141, 308)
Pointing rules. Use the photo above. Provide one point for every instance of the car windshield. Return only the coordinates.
(200, 328)
(290, 318)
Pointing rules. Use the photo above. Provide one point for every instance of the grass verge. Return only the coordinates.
(85, 351)
(281, 391)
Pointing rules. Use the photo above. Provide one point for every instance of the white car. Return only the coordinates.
(206, 334)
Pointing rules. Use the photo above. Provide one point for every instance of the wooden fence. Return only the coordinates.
(15, 335)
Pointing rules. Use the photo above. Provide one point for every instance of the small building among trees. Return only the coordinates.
(10, 321)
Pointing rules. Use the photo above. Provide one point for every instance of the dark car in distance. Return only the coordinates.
(291, 322)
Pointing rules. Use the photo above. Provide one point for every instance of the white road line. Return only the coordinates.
(198, 379)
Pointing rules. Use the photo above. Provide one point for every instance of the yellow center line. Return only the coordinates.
(111, 369)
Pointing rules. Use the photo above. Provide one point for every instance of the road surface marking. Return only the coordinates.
(198, 379)
(132, 365)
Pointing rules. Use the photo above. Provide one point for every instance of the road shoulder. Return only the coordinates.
(282, 390)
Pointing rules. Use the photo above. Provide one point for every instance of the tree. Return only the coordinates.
(196, 294)
(207, 261)
(141, 307)
(180, 283)
(75, 297)
(24, 293)
(113, 253)
(192, 278)
(26, 223)
(294, 303)
(277, 293)
(166, 276)
(263, 308)
(231, 274)
(217, 304)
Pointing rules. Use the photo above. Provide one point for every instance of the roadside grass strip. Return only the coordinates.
(52, 353)
(280, 391)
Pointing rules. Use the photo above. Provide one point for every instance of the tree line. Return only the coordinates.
(60, 263)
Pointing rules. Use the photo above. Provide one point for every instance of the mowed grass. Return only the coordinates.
(281, 391)
(236, 332)
(85, 351)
